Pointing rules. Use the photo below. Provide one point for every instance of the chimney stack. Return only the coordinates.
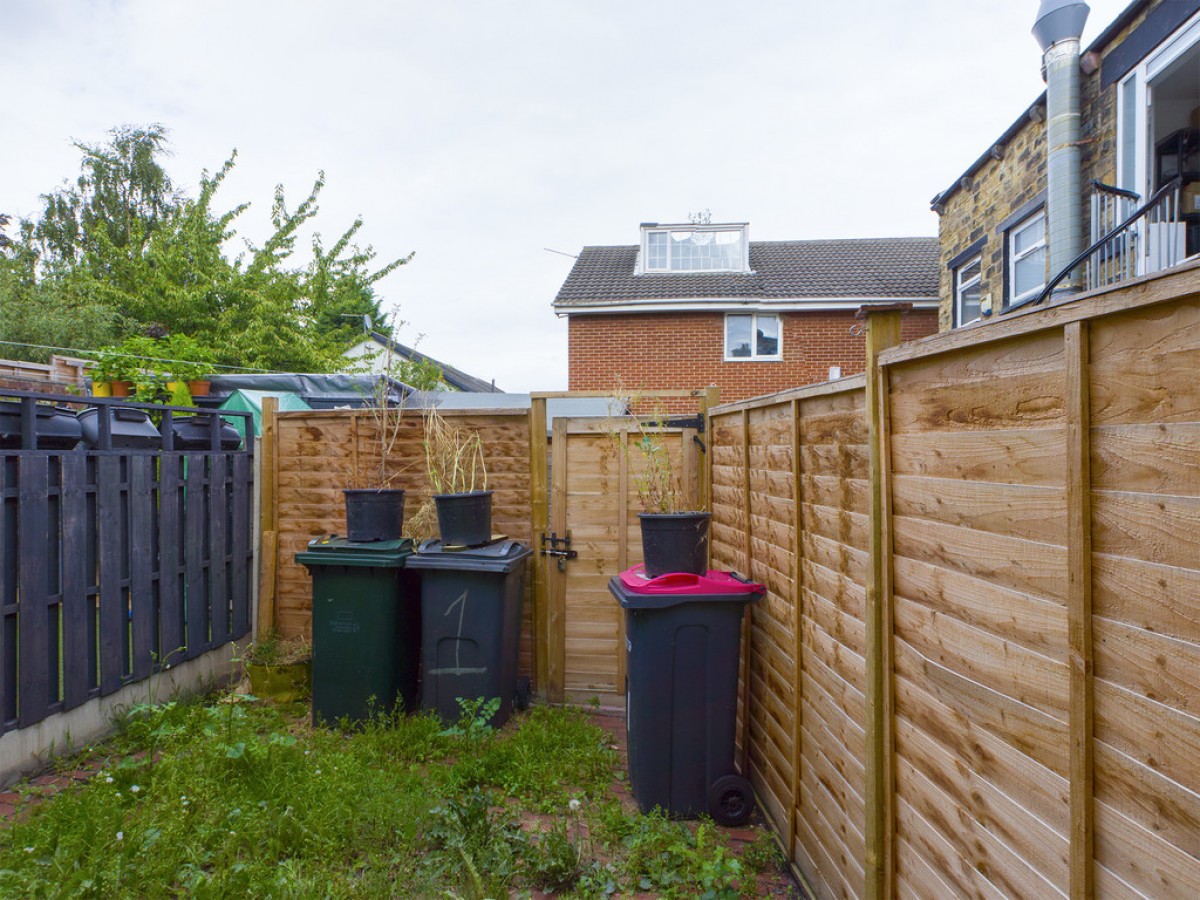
(1058, 29)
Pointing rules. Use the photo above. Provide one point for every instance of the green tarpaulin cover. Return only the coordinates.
(252, 401)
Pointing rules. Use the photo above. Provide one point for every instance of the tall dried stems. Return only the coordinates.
(659, 487)
(388, 414)
(453, 456)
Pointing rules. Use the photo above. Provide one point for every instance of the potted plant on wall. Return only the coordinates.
(674, 533)
(190, 362)
(458, 476)
(113, 372)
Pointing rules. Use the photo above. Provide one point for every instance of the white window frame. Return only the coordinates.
(754, 356)
(741, 228)
(960, 286)
(1184, 39)
(1010, 238)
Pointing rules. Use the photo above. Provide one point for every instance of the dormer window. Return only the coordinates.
(694, 248)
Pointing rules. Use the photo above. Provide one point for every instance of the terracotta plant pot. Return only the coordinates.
(199, 388)
(121, 388)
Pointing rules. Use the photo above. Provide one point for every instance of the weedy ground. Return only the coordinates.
(233, 796)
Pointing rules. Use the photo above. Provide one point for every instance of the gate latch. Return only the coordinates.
(558, 547)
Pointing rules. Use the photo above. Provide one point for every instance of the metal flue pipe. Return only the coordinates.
(1058, 29)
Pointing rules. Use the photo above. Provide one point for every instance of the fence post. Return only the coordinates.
(268, 527)
(1079, 606)
(798, 636)
(709, 398)
(744, 738)
(556, 613)
(539, 513)
(882, 331)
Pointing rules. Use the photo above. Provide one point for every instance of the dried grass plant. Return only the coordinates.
(453, 456)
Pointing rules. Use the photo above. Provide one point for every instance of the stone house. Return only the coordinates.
(696, 305)
(1137, 143)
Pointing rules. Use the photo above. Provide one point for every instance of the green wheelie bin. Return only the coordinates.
(366, 628)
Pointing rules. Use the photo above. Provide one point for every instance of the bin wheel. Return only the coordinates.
(730, 800)
(523, 693)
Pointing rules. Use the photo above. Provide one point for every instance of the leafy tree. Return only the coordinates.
(122, 252)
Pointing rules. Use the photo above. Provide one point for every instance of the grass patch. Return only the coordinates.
(235, 796)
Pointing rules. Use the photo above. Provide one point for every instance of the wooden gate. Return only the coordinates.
(586, 528)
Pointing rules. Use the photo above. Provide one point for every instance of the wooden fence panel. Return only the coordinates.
(309, 501)
(831, 603)
(972, 552)
(1145, 412)
(772, 644)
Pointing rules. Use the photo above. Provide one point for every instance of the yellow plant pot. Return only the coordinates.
(101, 389)
(284, 683)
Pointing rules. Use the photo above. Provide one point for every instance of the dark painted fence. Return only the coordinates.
(115, 563)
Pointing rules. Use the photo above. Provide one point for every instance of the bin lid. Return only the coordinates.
(711, 582)
(679, 588)
(331, 550)
(498, 556)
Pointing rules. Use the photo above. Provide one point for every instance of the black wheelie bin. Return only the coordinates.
(471, 602)
(683, 639)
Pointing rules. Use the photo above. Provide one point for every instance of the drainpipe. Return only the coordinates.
(1058, 29)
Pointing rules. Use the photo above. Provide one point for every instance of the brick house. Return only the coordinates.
(700, 304)
(1138, 138)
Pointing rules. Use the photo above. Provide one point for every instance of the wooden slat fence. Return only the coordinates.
(319, 453)
(992, 686)
(115, 564)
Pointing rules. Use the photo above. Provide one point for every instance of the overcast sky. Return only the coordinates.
(479, 133)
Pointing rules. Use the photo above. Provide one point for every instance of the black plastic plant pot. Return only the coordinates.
(464, 520)
(675, 542)
(57, 429)
(374, 515)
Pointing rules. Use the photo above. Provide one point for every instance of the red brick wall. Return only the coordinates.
(682, 351)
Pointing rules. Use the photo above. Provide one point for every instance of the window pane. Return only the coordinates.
(656, 250)
(1029, 273)
(767, 336)
(706, 251)
(737, 335)
(1029, 235)
(1129, 135)
(967, 285)
(968, 304)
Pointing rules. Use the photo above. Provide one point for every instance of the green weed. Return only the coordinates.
(238, 797)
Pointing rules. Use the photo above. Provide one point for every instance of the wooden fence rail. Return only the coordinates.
(977, 667)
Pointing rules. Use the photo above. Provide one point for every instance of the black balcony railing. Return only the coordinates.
(1132, 241)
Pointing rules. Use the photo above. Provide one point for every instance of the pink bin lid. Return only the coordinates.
(712, 582)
